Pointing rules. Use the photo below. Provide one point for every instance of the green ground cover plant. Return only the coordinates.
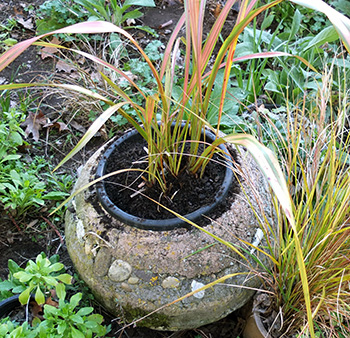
(114, 11)
(56, 14)
(22, 189)
(67, 319)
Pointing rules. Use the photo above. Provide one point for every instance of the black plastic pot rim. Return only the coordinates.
(162, 224)
(11, 303)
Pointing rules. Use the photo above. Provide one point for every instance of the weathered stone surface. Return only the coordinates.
(119, 271)
(102, 262)
(160, 255)
(170, 282)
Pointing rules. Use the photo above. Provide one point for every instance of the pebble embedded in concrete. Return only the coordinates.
(170, 282)
(119, 271)
(126, 287)
(102, 262)
(133, 280)
(195, 286)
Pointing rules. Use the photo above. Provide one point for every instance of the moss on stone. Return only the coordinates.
(156, 320)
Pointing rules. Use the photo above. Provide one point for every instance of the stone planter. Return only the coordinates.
(134, 271)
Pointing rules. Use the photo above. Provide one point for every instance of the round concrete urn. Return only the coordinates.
(134, 271)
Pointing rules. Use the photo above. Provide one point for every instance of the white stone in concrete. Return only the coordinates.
(119, 271)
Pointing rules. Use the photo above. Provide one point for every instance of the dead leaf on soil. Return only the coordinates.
(59, 125)
(33, 123)
(48, 52)
(62, 66)
(78, 127)
(28, 24)
(17, 11)
(36, 310)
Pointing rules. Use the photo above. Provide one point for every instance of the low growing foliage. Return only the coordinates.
(68, 319)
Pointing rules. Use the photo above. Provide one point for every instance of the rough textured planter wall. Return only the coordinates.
(133, 271)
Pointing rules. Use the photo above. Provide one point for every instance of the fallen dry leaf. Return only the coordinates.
(36, 310)
(78, 127)
(18, 11)
(33, 123)
(59, 125)
(62, 66)
(28, 24)
(50, 51)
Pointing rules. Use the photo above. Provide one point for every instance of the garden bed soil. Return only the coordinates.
(23, 239)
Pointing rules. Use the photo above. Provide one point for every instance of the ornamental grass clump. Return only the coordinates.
(314, 155)
(313, 150)
(159, 119)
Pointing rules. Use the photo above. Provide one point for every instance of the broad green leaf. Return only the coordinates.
(77, 319)
(10, 158)
(49, 280)
(24, 296)
(328, 34)
(6, 285)
(18, 289)
(76, 333)
(65, 278)
(23, 276)
(13, 266)
(61, 291)
(55, 195)
(91, 325)
(95, 318)
(56, 267)
(143, 3)
(75, 299)
(295, 24)
(9, 42)
(61, 327)
(49, 309)
(39, 296)
(85, 311)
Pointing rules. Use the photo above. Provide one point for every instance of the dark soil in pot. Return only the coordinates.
(187, 192)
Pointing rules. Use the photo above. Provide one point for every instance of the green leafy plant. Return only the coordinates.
(11, 285)
(11, 134)
(21, 189)
(66, 321)
(6, 41)
(9, 329)
(40, 276)
(113, 11)
(55, 14)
